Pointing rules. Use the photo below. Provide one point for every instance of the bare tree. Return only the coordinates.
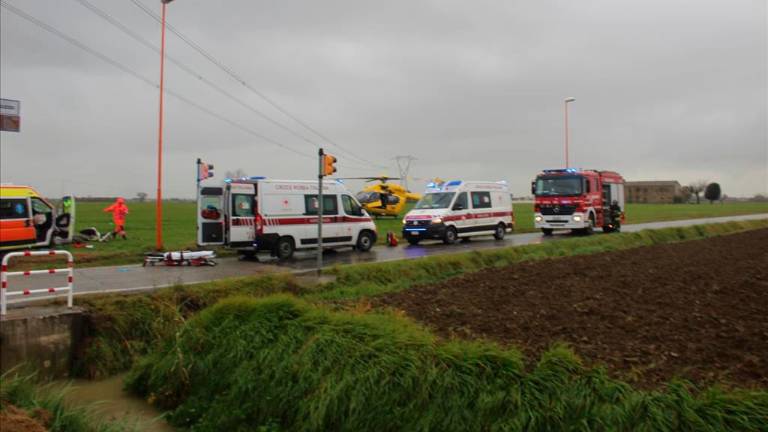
(141, 196)
(238, 173)
(697, 188)
(685, 195)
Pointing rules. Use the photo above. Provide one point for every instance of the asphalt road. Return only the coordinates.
(128, 278)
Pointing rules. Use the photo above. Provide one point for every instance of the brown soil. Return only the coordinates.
(697, 310)
(13, 419)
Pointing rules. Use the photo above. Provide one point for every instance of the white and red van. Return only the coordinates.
(459, 209)
(256, 214)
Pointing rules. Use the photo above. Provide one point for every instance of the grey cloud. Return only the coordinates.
(665, 89)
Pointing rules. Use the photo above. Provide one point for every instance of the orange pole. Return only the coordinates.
(159, 204)
(566, 135)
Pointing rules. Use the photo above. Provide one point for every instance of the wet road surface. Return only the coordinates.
(129, 278)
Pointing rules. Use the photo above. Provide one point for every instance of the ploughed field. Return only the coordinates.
(696, 310)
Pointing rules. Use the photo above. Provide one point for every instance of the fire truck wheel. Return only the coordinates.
(450, 236)
(365, 241)
(547, 231)
(500, 231)
(413, 241)
(285, 248)
(590, 229)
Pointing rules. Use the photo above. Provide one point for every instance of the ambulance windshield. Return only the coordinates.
(438, 200)
(559, 185)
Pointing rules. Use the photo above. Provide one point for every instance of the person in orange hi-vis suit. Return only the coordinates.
(119, 210)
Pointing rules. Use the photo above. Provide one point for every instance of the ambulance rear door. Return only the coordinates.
(241, 208)
(210, 216)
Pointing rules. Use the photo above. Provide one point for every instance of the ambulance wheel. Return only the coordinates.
(500, 231)
(450, 236)
(547, 231)
(247, 255)
(365, 241)
(413, 241)
(285, 248)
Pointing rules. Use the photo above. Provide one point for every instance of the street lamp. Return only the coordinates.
(159, 203)
(567, 100)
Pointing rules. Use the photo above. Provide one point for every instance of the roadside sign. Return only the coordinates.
(10, 115)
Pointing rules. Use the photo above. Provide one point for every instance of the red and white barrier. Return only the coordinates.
(4, 273)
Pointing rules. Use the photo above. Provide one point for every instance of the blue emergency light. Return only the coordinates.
(566, 170)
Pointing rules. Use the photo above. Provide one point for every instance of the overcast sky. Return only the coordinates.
(665, 89)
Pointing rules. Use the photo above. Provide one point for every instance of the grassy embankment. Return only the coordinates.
(125, 327)
(282, 363)
(28, 406)
(179, 225)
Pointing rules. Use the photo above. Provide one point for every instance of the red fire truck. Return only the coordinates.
(579, 200)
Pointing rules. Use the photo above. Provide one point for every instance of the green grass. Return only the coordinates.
(179, 228)
(122, 328)
(179, 225)
(281, 363)
(24, 392)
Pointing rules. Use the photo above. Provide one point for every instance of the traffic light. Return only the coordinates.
(328, 165)
(204, 170)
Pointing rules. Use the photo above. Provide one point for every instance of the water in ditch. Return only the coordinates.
(108, 401)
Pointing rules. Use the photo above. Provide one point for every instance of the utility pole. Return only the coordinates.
(567, 131)
(404, 167)
(320, 175)
(159, 203)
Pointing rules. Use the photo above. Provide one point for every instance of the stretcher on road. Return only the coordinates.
(180, 258)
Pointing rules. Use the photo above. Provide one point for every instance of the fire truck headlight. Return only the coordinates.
(577, 218)
(437, 220)
(538, 218)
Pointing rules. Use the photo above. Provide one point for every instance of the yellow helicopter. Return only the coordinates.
(383, 198)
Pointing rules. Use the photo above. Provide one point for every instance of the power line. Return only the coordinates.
(20, 13)
(115, 22)
(218, 63)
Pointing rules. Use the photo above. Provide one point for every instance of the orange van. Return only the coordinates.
(28, 220)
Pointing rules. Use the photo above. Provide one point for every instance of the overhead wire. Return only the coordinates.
(116, 23)
(31, 19)
(218, 63)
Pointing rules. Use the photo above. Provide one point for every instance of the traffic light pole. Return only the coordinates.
(320, 173)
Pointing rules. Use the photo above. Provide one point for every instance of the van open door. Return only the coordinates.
(65, 220)
(210, 216)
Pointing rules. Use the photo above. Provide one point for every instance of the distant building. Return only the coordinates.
(653, 192)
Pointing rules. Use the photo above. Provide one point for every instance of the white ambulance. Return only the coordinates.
(459, 209)
(256, 214)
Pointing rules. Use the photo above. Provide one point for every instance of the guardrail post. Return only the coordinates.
(3, 284)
